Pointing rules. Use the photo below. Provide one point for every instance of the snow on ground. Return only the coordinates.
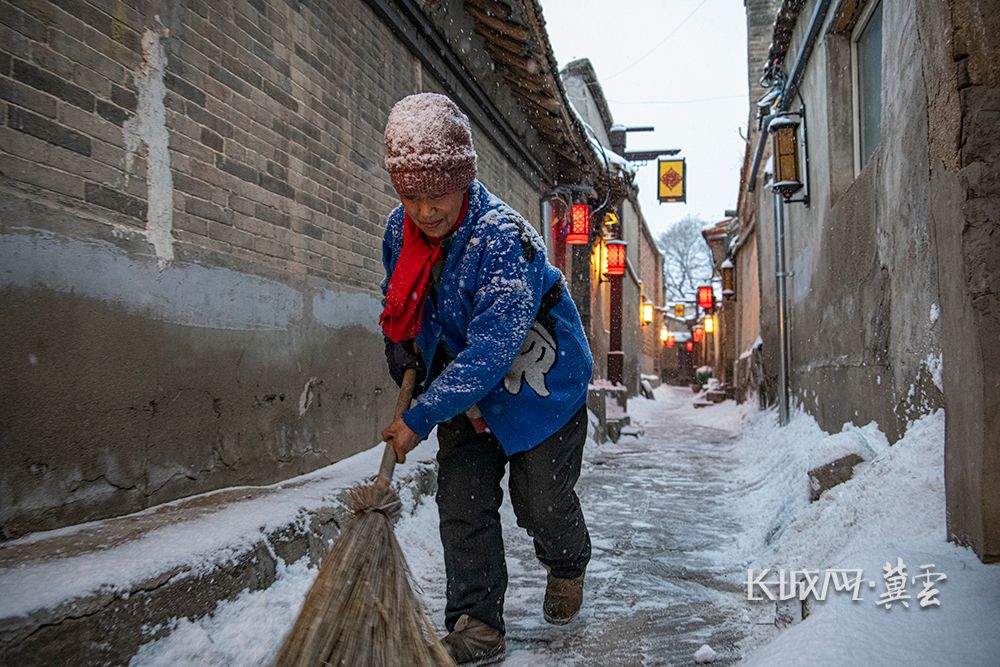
(245, 631)
(893, 508)
(250, 629)
(644, 604)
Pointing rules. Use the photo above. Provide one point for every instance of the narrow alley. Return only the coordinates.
(253, 252)
(659, 510)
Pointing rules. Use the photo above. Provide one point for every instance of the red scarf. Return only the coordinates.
(404, 300)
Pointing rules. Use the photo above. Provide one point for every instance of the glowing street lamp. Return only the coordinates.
(785, 148)
(710, 324)
(647, 313)
(664, 334)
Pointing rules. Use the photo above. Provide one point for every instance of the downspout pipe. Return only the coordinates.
(781, 287)
(816, 22)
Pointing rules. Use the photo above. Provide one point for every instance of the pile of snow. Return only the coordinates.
(247, 630)
(845, 443)
(892, 511)
(705, 655)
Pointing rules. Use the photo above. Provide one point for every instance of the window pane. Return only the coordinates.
(870, 83)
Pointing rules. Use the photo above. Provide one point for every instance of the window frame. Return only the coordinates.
(859, 27)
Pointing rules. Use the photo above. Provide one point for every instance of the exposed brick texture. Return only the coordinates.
(272, 109)
(274, 113)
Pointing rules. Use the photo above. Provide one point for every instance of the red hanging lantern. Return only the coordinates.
(689, 346)
(616, 257)
(670, 341)
(706, 298)
(698, 334)
(579, 225)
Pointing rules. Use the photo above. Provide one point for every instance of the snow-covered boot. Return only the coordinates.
(563, 598)
(472, 642)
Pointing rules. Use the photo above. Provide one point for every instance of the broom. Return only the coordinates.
(362, 609)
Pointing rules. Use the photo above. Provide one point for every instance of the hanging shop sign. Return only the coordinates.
(671, 178)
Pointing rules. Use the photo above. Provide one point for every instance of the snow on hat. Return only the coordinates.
(428, 146)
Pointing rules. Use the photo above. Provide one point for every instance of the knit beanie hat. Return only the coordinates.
(428, 146)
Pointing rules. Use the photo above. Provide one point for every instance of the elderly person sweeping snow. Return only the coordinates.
(505, 366)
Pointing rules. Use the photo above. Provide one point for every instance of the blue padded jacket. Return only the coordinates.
(503, 312)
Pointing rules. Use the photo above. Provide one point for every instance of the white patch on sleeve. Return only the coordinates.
(536, 358)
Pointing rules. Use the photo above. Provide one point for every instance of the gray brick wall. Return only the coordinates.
(760, 24)
(261, 161)
(270, 162)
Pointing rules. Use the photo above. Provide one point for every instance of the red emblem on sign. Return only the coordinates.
(671, 178)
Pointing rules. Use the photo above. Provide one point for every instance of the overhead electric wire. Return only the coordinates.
(694, 101)
(658, 44)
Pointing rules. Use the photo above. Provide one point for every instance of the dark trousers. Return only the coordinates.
(471, 466)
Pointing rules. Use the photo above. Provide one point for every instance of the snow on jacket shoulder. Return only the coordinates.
(504, 314)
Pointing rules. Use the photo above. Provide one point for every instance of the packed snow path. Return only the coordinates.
(656, 592)
(657, 509)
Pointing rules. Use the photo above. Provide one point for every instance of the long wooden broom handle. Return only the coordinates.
(402, 405)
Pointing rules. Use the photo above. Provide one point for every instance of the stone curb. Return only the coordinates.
(107, 628)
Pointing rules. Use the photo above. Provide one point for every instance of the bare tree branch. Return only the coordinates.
(687, 261)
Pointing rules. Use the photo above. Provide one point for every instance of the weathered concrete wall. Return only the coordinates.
(748, 305)
(631, 295)
(863, 302)
(191, 211)
(134, 385)
(961, 65)
(650, 270)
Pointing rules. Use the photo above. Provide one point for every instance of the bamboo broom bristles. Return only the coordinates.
(362, 609)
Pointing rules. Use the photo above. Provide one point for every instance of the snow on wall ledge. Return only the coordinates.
(182, 293)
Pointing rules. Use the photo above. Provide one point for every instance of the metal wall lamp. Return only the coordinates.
(789, 177)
